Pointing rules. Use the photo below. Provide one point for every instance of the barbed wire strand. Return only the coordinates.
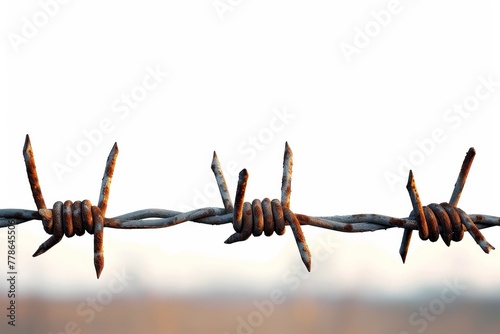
(266, 216)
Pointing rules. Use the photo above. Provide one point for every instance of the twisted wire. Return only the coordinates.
(255, 218)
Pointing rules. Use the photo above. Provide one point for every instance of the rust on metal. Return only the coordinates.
(462, 176)
(474, 231)
(305, 254)
(286, 182)
(348, 228)
(445, 218)
(98, 240)
(267, 211)
(76, 216)
(258, 217)
(221, 182)
(70, 218)
(405, 244)
(418, 210)
(441, 219)
(255, 218)
(456, 222)
(432, 224)
(240, 198)
(279, 219)
(396, 222)
(106, 179)
(29, 160)
(265, 215)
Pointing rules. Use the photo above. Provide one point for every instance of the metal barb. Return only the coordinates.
(98, 240)
(106, 179)
(29, 160)
(241, 233)
(248, 218)
(286, 191)
(462, 176)
(221, 182)
(259, 216)
(417, 207)
(445, 218)
(70, 218)
(286, 183)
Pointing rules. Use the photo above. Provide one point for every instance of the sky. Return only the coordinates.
(362, 91)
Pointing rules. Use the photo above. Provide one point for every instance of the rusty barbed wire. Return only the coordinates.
(267, 216)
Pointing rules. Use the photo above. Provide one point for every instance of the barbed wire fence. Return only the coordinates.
(260, 216)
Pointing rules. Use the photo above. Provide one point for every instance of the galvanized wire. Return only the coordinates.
(266, 216)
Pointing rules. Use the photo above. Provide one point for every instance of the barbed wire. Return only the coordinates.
(266, 216)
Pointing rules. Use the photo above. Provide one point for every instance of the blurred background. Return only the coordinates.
(362, 91)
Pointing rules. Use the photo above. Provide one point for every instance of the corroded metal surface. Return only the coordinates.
(248, 218)
(70, 218)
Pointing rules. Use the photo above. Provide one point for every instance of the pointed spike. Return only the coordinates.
(306, 257)
(29, 161)
(48, 244)
(99, 266)
(410, 180)
(405, 244)
(235, 237)
(286, 182)
(98, 240)
(474, 231)
(221, 183)
(447, 242)
(305, 253)
(462, 176)
(239, 200)
(39, 251)
(27, 143)
(423, 229)
(107, 178)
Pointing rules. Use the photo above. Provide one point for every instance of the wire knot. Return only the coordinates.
(70, 218)
(259, 216)
(262, 216)
(441, 219)
(445, 218)
(450, 222)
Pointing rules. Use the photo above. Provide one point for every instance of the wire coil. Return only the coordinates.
(442, 219)
(259, 217)
(70, 218)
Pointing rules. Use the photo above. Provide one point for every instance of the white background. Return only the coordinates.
(351, 122)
